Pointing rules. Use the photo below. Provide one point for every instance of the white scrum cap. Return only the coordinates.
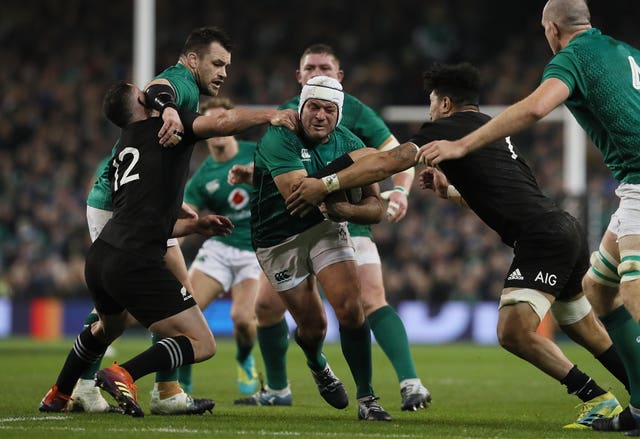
(325, 88)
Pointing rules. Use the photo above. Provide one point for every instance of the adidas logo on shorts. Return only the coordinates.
(516, 275)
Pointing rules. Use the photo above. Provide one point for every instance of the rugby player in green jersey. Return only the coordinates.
(293, 252)
(387, 327)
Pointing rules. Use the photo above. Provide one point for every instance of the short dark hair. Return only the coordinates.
(460, 82)
(199, 40)
(320, 48)
(216, 102)
(116, 104)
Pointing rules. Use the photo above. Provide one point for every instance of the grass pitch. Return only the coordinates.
(478, 392)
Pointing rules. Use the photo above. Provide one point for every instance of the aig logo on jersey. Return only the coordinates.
(304, 155)
(546, 278)
(238, 198)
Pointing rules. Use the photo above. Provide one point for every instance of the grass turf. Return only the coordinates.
(478, 392)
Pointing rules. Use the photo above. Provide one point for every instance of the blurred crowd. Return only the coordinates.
(59, 58)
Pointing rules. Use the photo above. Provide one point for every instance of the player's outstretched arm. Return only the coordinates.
(206, 225)
(236, 120)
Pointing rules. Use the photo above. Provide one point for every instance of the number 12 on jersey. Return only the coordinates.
(127, 177)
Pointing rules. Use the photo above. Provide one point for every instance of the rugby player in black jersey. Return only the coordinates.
(550, 249)
(124, 269)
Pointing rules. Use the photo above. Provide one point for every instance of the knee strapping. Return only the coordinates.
(604, 268)
(538, 302)
(629, 268)
(568, 313)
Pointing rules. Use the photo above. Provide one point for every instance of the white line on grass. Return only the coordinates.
(247, 433)
(35, 418)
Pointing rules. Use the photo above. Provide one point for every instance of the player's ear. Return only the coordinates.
(446, 104)
(192, 60)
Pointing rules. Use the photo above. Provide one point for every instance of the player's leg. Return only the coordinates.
(601, 285)
(333, 261)
(307, 310)
(287, 270)
(273, 339)
(521, 311)
(620, 248)
(160, 303)
(387, 327)
(86, 396)
(577, 319)
(91, 344)
(604, 289)
(339, 281)
(185, 339)
(575, 315)
(166, 382)
(244, 320)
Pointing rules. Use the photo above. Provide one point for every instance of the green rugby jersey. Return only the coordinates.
(603, 76)
(187, 96)
(362, 121)
(208, 189)
(280, 151)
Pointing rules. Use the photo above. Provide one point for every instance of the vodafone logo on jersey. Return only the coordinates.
(238, 198)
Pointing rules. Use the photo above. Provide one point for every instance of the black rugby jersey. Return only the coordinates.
(147, 183)
(495, 181)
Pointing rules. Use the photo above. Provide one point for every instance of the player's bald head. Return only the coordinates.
(567, 14)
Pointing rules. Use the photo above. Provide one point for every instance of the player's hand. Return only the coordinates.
(397, 207)
(438, 151)
(308, 194)
(286, 118)
(239, 174)
(336, 207)
(186, 212)
(213, 225)
(172, 130)
(432, 178)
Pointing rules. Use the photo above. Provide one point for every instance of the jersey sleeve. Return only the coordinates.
(193, 193)
(187, 93)
(367, 125)
(280, 149)
(562, 67)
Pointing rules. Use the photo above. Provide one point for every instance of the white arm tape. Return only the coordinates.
(452, 192)
(331, 182)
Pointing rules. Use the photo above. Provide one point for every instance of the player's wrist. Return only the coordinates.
(404, 191)
(331, 183)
